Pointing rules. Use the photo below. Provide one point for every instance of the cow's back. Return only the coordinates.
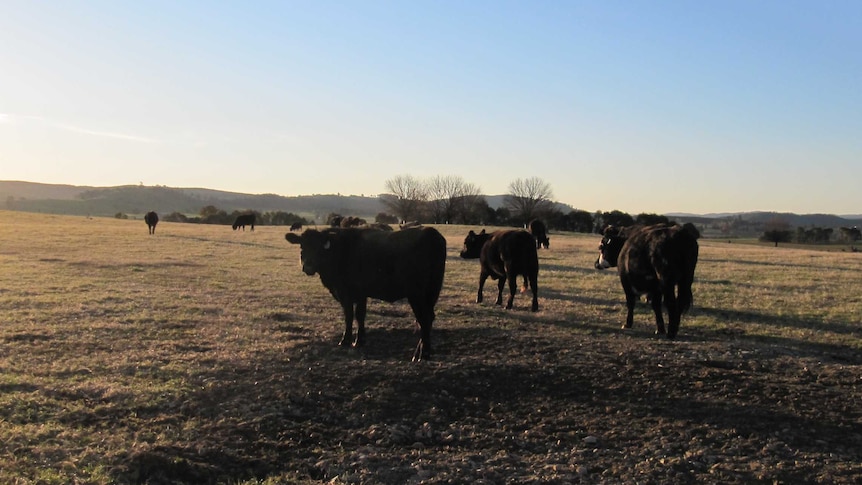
(514, 246)
(395, 265)
(661, 254)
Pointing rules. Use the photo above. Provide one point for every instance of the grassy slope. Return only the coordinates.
(180, 357)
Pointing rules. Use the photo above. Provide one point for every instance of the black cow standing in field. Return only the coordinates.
(244, 220)
(296, 226)
(540, 232)
(151, 218)
(505, 255)
(359, 263)
(658, 261)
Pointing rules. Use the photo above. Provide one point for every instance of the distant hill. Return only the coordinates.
(137, 199)
(761, 218)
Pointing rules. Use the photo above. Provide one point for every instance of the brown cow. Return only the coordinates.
(505, 255)
(355, 264)
(151, 218)
(244, 220)
(658, 261)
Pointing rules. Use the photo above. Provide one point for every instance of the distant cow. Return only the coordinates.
(296, 226)
(505, 255)
(658, 261)
(380, 226)
(351, 221)
(540, 232)
(244, 220)
(151, 218)
(359, 263)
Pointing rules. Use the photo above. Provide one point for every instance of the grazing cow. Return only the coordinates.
(658, 261)
(351, 221)
(296, 226)
(380, 226)
(409, 224)
(540, 232)
(244, 220)
(359, 263)
(505, 255)
(151, 218)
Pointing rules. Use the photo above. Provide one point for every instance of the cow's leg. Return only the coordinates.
(673, 313)
(424, 313)
(348, 323)
(501, 283)
(631, 301)
(361, 310)
(513, 285)
(482, 277)
(534, 279)
(656, 300)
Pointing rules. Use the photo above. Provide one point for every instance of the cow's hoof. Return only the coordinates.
(421, 353)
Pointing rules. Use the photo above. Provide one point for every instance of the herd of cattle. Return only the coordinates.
(357, 263)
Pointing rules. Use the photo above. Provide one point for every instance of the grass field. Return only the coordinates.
(204, 355)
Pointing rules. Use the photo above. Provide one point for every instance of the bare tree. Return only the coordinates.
(451, 198)
(529, 198)
(406, 196)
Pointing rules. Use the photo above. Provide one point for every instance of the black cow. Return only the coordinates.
(505, 255)
(359, 263)
(296, 226)
(151, 218)
(244, 220)
(540, 232)
(658, 261)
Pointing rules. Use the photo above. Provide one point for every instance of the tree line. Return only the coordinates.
(452, 200)
(779, 231)
(213, 215)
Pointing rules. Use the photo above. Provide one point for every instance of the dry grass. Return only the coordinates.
(203, 354)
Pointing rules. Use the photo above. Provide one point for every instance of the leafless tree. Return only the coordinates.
(529, 198)
(406, 196)
(451, 198)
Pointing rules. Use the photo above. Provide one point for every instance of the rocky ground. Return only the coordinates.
(518, 403)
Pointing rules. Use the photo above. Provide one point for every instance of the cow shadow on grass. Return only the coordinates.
(740, 316)
(324, 407)
(771, 264)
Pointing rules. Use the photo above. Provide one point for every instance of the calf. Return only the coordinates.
(356, 264)
(244, 220)
(505, 255)
(151, 218)
(540, 232)
(658, 261)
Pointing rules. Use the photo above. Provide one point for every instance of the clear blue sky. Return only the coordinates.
(661, 106)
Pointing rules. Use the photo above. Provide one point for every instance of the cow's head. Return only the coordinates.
(473, 244)
(609, 249)
(544, 242)
(315, 248)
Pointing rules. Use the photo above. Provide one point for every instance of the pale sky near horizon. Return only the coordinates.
(664, 106)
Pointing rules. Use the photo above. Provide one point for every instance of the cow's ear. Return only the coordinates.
(471, 233)
(292, 238)
(483, 232)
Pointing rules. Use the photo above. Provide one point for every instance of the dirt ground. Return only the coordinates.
(518, 403)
